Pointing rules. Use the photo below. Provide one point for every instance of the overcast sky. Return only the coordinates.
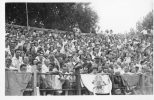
(121, 15)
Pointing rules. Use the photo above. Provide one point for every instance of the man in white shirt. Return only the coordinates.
(26, 62)
(45, 67)
(40, 57)
(118, 69)
(17, 60)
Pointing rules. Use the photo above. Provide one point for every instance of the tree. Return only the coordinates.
(146, 24)
(139, 26)
(62, 16)
(148, 21)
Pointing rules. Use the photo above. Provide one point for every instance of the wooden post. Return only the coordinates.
(77, 72)
(27, 17)
(44, 93)
(142, 83)
(35, 83)
(66, 92)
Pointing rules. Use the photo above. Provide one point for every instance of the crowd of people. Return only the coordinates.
(48, 52)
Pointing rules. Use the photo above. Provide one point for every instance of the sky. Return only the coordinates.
(120, 15)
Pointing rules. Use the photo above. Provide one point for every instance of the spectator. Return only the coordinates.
(23, 68)
(49, 52)
(26, 62)
(17, 60)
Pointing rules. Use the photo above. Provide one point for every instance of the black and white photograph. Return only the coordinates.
(87, 48)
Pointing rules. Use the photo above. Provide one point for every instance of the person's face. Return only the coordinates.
(36, 44)
(51, 66)
(85, 69)
(32, 44)
(26, 60)
(51, 48)
(126, 70)
(23, 69)
(136, 68)
(96, 61)
(39, 66)
(8, 62)
(35, 61)
(13, 44)
(94, 71)
(64, 70)
(105, 70)
(22, 54)
(18, 53)
(100, 68)
(60, 59)
(41, 56)
(82, 56)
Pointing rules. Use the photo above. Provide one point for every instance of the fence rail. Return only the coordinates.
(78, 90)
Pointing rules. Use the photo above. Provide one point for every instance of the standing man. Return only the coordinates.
(17, 60)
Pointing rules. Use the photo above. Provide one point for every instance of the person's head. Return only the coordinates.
(89, 56)
(51, 58)
(23, 68)
(51, 66)
(81, 57)
(46, 55)
(39, 65)
(64, 69)
(26, 60)
(105, 70)
(8, 62)
(35, 61)
(60, 59)
(136, 68)
(36, 44)
(126, 70)
(100, 69)
(85, 69)
(17, 52)
(41, 55)
(22, 37)
(141, 62)
(133, 70)
(22, 53)
(47, 62)
(97, 60)
(94, 69)
(116, 66)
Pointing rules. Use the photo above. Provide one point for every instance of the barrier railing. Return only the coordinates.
(146, 84)
(76, 87)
